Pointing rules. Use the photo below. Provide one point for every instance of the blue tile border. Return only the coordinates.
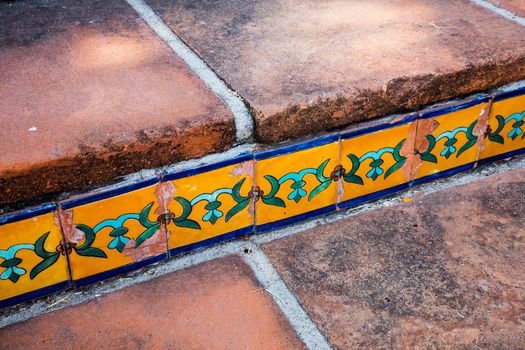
(371, 196)
(301, 146)
(119, 270)
(501, 156)
(55, 288)
(208, 167)
(301, 217)
(210, 241)
(27, 213)
(97, 196)
(379, 127)
(454, 108)
(509, 94)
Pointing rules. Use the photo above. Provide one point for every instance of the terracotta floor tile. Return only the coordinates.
(307, 66)
(215, 305)
(446, 271)
(89, 92)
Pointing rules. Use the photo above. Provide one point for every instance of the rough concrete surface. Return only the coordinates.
(308, 66)
(446, 271)
(88, 93)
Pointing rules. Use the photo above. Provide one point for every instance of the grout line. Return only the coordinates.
(502, 12)
(241, 115)
(285, 299)
(24, 311)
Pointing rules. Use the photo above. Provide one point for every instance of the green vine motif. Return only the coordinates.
(399, 159)
(150, 226)
(324, 181)
(48, 258)
(11, 263)
(298, 182)
(242, 201)
(182, 220)
(495, 136)
(270, 198)
(427, 156)
(85, 249)
(351, 177)
(472, 139)
(517, 123)
(375, 165)
(213, 206)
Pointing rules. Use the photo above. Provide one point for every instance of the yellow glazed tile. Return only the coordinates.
(507, 132)
(452, 143)
(296, 183)
(214, 204)
(372, 162)
(31, 257)
(113, 232)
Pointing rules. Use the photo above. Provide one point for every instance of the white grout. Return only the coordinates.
(502, 12)
(241, 115)
(269, 278)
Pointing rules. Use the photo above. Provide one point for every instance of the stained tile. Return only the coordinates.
(32, 258)
(506, 130)
(110, 232)
(373, 162)
(296, 180)
(210, 204)
(450, 140)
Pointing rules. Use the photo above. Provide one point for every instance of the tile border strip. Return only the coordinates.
(171, 173)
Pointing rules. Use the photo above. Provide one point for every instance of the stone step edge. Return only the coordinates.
(256, 201)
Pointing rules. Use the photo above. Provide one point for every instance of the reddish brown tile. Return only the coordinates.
(515, 6)
(446, 271)
(216, 305)
(304, 67)
(89, 92)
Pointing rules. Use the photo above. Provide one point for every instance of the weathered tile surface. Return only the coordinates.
(308, 66)
(515, 6)
(114, 232)
(215, 204)
(296, 183)
(506, 131)
(89, 92)
(446, 271)
(374, 162)
(216, 305)
(32, 258)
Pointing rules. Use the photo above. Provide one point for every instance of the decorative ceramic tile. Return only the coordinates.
(450, 139)
(296, 180)
(112, 232)
(209, 204)
(506, 133)
(373, 162)
(32, 256)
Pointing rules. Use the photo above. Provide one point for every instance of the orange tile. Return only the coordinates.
(32, 257)
(506, 126)
(112, 234)
(296, 182)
